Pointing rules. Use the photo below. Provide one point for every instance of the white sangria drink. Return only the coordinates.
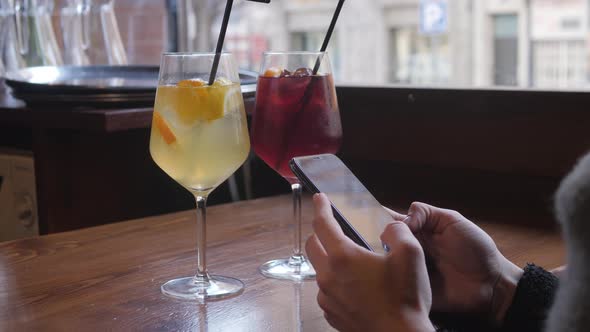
(199, 138)
(199, 132)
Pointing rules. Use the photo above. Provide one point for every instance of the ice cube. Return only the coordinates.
(285, 73)
(222, 81)
(303, 72)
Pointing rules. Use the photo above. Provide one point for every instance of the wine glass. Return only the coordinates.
(199, 137)
(296, 114)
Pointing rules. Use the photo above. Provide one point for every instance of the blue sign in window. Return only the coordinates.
(433, 17)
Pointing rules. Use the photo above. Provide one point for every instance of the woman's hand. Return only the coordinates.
(468, 274)
(364, 291)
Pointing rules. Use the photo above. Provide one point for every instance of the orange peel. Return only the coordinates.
(164, 129)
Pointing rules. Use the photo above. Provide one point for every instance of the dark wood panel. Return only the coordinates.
(518, 132)
(468, 147)
(16, 138)
(91, 179)
(93, 166)
(494, 195)
(15, 114)
(108, 277)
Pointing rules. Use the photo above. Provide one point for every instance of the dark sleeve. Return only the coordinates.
(533, 298)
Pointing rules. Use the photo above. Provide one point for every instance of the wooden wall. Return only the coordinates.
(473, 148)
(469, 150)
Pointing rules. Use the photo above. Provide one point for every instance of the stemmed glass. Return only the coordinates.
(296, 114)
(199, 138)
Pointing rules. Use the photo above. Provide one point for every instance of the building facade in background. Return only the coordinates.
(524, 43)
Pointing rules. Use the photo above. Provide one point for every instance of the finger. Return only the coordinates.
(317, 254)
(559, 271)
(328, 306)
(326, 227)
(424, 217)
(398, 233)
(332, 312)
(336, 322)
(396, 216)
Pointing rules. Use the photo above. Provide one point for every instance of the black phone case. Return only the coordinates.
(344, 224)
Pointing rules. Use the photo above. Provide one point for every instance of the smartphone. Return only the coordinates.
(360, 215)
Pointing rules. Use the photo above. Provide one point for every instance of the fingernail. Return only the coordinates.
(407, 219)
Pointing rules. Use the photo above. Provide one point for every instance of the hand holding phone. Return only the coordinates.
(360, 215)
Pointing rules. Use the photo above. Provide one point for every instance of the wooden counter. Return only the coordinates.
(107, 278)
(84, 156)
(14, 113)
(488, 148)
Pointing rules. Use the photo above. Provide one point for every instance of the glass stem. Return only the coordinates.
(296, 189)
(202, 275)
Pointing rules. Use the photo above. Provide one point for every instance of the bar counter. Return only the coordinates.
(494, 148)
(82, 155)
(108, 278)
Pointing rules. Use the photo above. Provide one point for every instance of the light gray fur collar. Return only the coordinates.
(571, 310)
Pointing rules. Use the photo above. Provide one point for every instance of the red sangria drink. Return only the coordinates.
(296, 114)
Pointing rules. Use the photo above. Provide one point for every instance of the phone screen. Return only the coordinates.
(361, 216)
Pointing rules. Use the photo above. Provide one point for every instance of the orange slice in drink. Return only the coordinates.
(164, 129)
(273, 72)
(197, 101)
(192, 83)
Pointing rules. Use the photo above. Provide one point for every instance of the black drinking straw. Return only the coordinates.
(306, 95)
(328, 35)
(221, 39)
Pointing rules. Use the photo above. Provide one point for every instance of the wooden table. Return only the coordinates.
(108, 278)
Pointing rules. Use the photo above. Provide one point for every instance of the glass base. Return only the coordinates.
(295, 268)
(216, 288)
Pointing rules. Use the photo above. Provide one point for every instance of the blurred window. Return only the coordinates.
(458, 43)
